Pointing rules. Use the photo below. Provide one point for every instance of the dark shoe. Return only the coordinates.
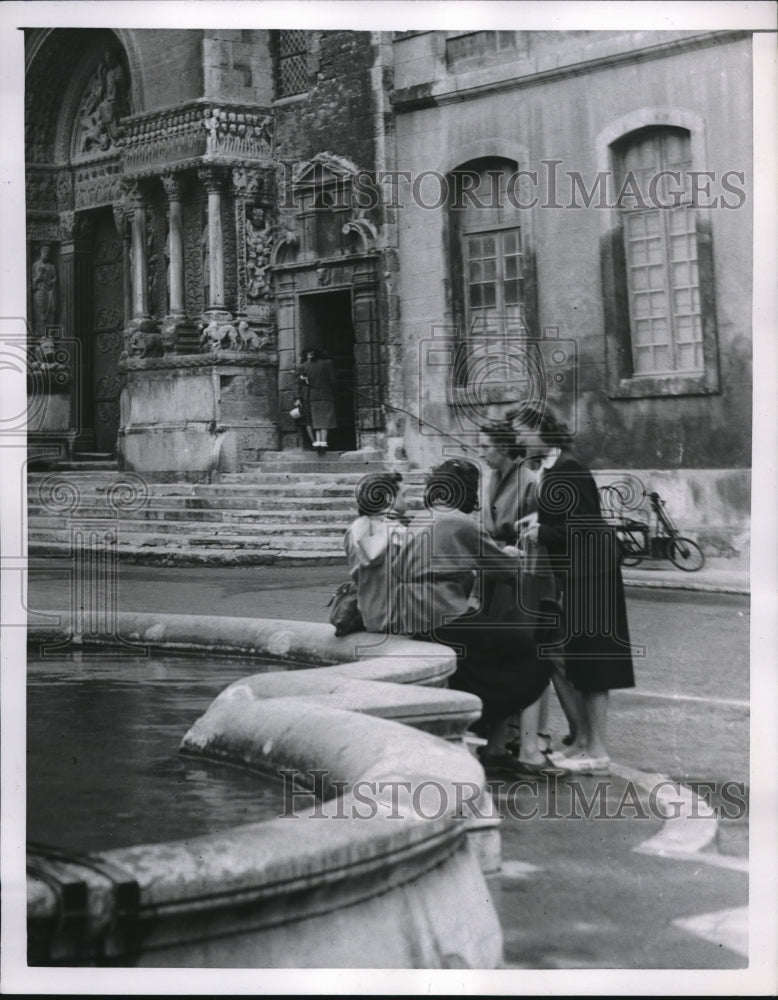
(525, 767)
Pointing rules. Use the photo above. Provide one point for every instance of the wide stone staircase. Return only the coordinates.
(288, 508)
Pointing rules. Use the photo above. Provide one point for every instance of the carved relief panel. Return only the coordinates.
(195, 251)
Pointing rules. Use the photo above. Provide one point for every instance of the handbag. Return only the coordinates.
(296, 412)
(345, 614)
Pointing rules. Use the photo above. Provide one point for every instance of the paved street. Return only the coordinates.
(617, 889)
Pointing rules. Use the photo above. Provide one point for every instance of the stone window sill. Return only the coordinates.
(665, 385)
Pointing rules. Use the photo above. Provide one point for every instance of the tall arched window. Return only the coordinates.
(660, 248)
(486, 249)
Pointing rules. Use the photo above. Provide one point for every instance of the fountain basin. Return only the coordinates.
(391, 865)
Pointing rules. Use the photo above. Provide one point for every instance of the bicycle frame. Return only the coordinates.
(640, 542)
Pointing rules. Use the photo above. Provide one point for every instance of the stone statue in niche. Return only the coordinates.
(44, 292)
(103, 106)
(258, 246)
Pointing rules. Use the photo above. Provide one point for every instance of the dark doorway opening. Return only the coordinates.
(325, 323)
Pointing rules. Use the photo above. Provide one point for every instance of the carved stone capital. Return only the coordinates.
(174, 186)
(133, 195)
(212, 178)
(121, 218)
(67, 226)
(65, 190)
(247, 183)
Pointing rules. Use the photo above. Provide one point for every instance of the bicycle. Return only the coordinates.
(638, 540)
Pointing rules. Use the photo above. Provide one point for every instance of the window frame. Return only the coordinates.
(498, 231)
(279, 59)
(624, 381)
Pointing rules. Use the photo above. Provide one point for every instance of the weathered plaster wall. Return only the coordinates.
(562, 119)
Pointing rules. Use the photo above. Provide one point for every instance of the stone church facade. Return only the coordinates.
(465, 221)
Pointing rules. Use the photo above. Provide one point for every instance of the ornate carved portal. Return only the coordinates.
(107, 324)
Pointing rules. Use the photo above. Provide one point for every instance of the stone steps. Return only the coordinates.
(225, 512)
(283, 510)
(321, 530)
(163, 554)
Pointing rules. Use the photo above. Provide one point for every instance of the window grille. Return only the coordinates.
(292, 67)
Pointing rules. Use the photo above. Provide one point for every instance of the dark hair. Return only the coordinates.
(453, 483)
(317, 352)
(377, 492)
(552, 430)
(503, 435)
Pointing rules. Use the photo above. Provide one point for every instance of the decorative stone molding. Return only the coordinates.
(153, 142)
(65, 190)
(250, 182)
(238, 133)
(104, 102)
(323, 167)
(132, 194)
(181, 137)
(365, 231)
(67, 226)
(218, 337)
(97, 184)
(41, 189)
(143, 340)
(49, 366)
(212, 178)
(121, 217)
(265, 358)
(173, 185)
(259, 240)
(285, 243)
(74, 226)
(41, 230)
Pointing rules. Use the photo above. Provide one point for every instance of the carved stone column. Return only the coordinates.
(172, 184)
(213, 178)
(365, 313)
(140, 269)
(121, 218)
(75, 250)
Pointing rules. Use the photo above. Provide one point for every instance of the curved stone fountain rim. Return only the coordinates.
(281, 855)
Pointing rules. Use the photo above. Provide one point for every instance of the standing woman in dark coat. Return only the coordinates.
(320, 372)
(585, 557)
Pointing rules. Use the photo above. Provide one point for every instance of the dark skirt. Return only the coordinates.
(322, 414)
(498, 663)
(596, 645)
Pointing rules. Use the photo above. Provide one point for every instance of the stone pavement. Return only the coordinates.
(720, 575)
(595, 874)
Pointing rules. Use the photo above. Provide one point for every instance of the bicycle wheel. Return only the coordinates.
(632, 552)
(686, 555)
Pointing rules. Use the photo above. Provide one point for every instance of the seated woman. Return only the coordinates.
(370, 542)
(432, 579)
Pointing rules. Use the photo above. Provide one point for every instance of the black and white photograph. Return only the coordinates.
(389, 452)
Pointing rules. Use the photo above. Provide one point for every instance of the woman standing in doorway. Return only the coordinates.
(320, 373)
(584, 553)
